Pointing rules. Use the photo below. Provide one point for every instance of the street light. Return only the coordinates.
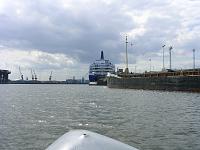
(193, 58)
(150, 64)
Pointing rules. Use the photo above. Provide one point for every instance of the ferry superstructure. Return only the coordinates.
(99, 69)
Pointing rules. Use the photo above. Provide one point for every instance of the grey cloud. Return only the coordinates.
(55, 29)
(87, 27)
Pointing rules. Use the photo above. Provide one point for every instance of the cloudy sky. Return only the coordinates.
(65, 36)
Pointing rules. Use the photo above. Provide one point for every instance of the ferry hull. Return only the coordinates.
(170, 83)
(97, 80)
(93, 78)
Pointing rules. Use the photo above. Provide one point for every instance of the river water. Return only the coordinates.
(33, 116)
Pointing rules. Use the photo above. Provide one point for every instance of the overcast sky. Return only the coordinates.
(65, 36)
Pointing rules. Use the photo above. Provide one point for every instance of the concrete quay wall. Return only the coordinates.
(170, 83)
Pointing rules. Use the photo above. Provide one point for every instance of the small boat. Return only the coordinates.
(87, 140)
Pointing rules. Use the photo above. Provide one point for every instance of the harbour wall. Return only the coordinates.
(169, 83)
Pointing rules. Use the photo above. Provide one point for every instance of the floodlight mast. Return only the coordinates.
(170, 57)
(126, 69)
(163, 47)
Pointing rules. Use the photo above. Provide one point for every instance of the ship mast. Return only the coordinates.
(126, 69)
(102, 55)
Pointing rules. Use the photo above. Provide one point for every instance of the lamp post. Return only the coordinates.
(163, 47)
(135, 68)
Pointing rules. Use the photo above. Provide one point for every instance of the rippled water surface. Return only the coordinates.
(33, 116)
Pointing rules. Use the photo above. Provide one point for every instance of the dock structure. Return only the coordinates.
(167, 73)
(173, 80)
(4, 76)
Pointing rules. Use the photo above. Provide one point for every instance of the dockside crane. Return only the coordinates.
(21, 75)
(50, 77)
(35, 75)
(32, 74)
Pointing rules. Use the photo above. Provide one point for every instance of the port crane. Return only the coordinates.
(32, 74)
(35, 75)
(21, 75)
(50, 77)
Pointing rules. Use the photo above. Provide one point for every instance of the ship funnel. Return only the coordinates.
(102, 56)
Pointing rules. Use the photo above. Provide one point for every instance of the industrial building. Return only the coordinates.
(4, 76)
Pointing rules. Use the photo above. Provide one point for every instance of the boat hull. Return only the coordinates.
(87, 140)
(169, 83)
(97, 80)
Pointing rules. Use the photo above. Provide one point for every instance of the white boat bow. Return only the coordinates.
(87, 140)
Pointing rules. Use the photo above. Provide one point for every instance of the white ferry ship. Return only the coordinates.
(99, 69)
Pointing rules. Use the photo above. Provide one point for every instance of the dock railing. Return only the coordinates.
(189, 72)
